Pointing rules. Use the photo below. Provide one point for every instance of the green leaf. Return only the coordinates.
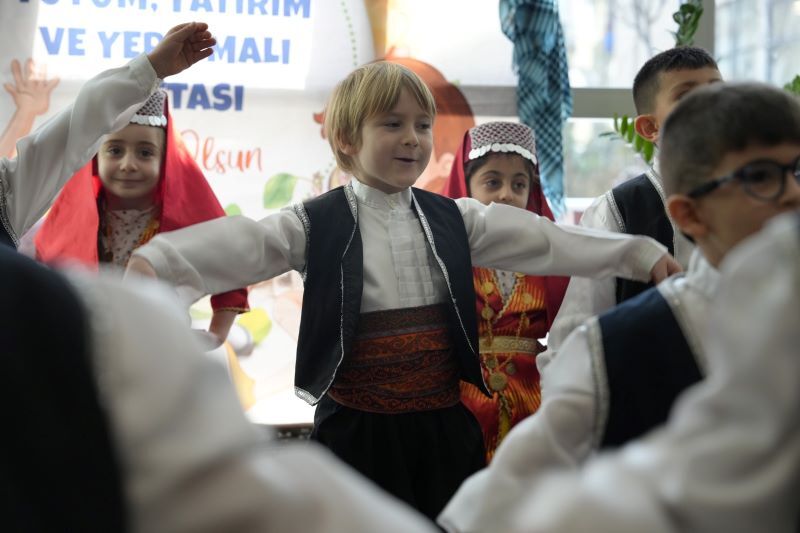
(623, 128)
(794, 85)
(233, 209)
(279, 190)
(631, 134)
(638, 143)
(647, 152)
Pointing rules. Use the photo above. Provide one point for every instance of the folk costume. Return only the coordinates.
(49, 156)
(635, 207)
(728, 458)
(80, 227)
(388, 325)
(616, 378)
(514, 310)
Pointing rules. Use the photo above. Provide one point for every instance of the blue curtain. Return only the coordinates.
(544, 100)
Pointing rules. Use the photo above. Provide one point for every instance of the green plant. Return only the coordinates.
(624, 130)
(688, 18)
(793, 86)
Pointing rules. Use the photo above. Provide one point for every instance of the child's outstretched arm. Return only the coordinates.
(50, 155)
(223, 254)
(514, 239)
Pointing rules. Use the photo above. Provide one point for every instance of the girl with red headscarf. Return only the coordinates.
(142, 182)
(496, 162)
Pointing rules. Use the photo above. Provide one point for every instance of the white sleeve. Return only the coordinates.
(192, 462)
(729, 457)
(559, 434)
(227, 253)
(508, 238)
(585, 297)
(50, 155)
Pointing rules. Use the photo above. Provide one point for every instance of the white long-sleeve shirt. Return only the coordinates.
(586, 297)
(565, 429)
(399, 270)
(191, 461)
(729, 457)
(49, 156)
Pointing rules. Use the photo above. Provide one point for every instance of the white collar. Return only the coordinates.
(701, 275)
(380, 200)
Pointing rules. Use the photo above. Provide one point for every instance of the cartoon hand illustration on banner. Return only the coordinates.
(31, 94)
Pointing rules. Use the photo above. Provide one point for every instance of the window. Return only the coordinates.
(758, 39)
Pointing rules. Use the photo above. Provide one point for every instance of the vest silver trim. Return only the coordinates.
(429, 236)
(4, 215)
(600, 375)
(615, 212)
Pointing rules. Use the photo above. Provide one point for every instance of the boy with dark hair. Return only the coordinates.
(618, 376)
(637, 206)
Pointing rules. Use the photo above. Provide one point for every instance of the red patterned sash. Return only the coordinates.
(402, 361)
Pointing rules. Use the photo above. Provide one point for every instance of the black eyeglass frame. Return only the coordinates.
(736, 175)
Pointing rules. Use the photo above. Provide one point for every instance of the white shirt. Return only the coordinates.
(729, 457)
(49, 156)
(191, 460)
(399, 268)
(589, 297)
(567, 427)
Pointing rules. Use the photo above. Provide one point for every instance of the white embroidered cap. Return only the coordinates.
(504, 137)
(152, 112)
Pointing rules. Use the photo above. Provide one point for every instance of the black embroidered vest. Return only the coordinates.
(640, 211)
(58, 468)
(334, 281)
(648, 363)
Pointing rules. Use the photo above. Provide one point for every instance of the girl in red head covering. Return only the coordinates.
(141, 182)
(496, 162)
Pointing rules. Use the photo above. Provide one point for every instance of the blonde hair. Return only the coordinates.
(364, 93)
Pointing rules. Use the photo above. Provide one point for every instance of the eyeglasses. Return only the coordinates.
(764, 180)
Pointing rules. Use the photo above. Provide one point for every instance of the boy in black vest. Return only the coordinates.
(637, 206)
(618, 376)
(48, 157)
(388, 324)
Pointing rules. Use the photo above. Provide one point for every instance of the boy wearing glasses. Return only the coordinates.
(730, 163)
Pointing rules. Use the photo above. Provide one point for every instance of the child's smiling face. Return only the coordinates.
(129, 164)
(395, 146)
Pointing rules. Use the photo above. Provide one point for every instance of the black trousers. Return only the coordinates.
(420, 457)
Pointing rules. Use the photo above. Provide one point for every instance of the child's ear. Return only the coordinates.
(346, 146)
(647, 127)
(685, 214)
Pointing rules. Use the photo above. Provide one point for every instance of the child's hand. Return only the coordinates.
(139, 267)
(664, 268)
(221, 323)
(182, 46)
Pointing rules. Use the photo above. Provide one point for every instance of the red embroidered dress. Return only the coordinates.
(509, 325)
(509, 329)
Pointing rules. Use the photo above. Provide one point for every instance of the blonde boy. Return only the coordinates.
(388, 325)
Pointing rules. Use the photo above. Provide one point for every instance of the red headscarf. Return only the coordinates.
(182, 195)
(456, 187)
